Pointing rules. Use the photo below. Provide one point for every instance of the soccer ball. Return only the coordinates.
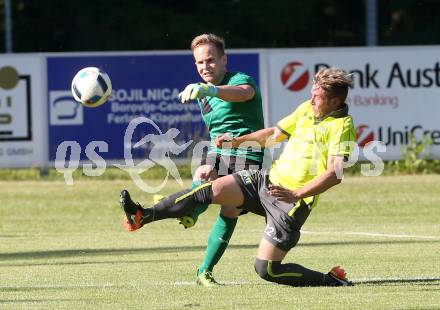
(91, 87)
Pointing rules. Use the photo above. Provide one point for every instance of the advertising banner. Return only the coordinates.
(395, 94)
(22, 112)
(144, 85)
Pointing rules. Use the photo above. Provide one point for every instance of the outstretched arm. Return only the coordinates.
(239, 93)
(264, 137)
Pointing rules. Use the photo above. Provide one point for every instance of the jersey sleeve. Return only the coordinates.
(242, 79)
(287, 125)
(342, 138)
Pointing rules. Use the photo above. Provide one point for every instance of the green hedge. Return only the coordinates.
(397, 167)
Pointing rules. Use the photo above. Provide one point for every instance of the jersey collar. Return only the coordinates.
(342, 112)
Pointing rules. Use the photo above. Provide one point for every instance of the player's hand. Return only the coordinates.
(205, 173)
(226, 137)
(197, 90)
(283, 194)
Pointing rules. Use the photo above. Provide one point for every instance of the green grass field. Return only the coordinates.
(64, 247)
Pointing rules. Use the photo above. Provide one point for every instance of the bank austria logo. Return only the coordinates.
(364, 135)
(295, 76)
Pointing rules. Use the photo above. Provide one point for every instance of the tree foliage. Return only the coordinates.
(98, 25)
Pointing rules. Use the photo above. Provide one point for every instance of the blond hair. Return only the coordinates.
(209, 38)
(334, 81)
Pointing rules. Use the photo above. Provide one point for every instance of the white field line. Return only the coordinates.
(360, 233)
(193, 283)
(395, 279)
(354, 233)
(183, 283)
(391, 235)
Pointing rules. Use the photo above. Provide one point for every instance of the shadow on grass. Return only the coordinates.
(99, 252)
(53, 287)
(110, 262)
(35, 300)
(178, 249)
(424, 281)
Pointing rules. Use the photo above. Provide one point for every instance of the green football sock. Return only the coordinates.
(218, 241)
(200, 208)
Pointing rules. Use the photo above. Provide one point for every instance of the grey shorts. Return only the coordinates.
(225, 165)
(283, 220)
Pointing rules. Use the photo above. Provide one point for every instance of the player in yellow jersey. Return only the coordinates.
(320, 137)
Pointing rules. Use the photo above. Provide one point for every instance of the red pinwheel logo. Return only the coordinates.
(294, 76)
(364, 135)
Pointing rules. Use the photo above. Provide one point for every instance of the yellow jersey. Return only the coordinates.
(311, 142)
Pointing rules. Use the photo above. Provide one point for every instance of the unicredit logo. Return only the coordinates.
(294, 76)
(364, 135)
(391, 136)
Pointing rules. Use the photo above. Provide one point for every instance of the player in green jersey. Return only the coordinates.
(230, 102)
(320, 137)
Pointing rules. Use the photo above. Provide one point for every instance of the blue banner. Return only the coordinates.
(143, 85)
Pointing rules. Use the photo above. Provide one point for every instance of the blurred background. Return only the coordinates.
(81, 25)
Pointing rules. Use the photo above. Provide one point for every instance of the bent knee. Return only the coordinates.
(261, 269)
(230, 212)
(226, 191)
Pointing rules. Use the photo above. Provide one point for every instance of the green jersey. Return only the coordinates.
(310, 143)
(235, 118)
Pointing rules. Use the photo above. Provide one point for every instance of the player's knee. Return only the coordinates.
(261, 269)
(230, 212)
(216, 189)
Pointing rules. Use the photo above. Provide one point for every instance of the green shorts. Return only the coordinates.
(283, 220)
